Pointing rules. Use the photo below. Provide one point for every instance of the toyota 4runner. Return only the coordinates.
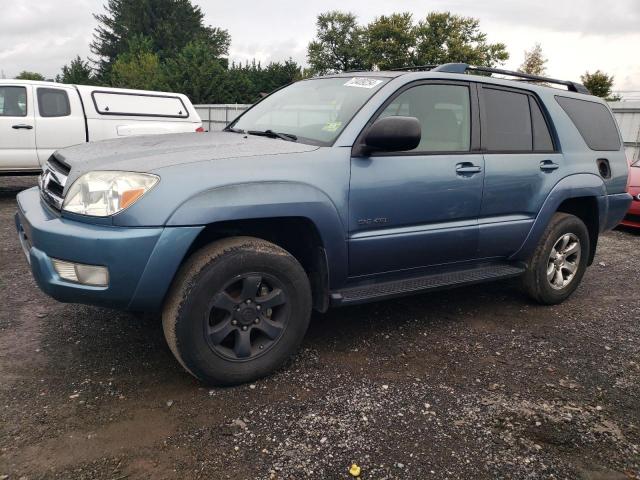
(331, 191)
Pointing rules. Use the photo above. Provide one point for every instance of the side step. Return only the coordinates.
(396, 288)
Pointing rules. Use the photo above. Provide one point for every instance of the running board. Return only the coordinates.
(396, 288)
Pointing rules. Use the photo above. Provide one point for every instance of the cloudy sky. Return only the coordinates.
(576, 35)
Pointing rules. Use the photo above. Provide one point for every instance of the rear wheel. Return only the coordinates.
(237, 310)
(559, 262)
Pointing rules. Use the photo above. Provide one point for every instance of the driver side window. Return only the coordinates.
(444, 113)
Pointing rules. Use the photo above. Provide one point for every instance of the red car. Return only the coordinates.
(632, 219)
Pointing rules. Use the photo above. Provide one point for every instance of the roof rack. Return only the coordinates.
(463, 68)
(416, 67)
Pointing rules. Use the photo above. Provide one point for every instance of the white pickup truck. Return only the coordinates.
(37, 118)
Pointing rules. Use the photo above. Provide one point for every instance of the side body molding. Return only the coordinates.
(573, 186)
(246, 201)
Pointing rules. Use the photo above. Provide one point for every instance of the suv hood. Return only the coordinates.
(150, 152)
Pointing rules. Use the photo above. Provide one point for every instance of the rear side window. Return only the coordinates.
(507, 125)
(132, 104)
(513, 122)
(541, 137)
(13, 102)
(53, 102)
(594, 122)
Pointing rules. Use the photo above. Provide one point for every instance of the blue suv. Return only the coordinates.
(332, 191)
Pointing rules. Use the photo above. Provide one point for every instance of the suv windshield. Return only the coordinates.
(312, 111)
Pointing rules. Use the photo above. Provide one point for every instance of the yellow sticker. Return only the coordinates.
(331, 126)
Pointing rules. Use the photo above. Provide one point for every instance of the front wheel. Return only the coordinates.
(559, 262)
(237, 310)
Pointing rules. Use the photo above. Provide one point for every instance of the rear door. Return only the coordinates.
(59, 120)
(522, 165)
(17, 134)
(420, 208)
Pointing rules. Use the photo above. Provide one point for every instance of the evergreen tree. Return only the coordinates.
(197, 74)
(26, 75)
(138, 67)
(78, 72)
(168, 24)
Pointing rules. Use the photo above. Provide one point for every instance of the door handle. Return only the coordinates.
(22, 126)
(548, 166)
(467, 168)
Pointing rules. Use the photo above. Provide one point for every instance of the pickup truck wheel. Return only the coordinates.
(559, 262)
(237, 310)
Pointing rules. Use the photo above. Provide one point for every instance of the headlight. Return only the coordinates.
(106, 193)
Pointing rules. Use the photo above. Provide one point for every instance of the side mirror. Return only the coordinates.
(392, 134)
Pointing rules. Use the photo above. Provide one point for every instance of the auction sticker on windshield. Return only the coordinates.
(363, 82)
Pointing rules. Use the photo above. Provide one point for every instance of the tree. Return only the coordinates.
(168, 24)
(444, 37)
(249, 82)
(338, 45)
(394, 41)
(534, 62)
(599, 84)
(196, 73)
(390, 41)
(26, 75)
(138, 68)
(78, 72)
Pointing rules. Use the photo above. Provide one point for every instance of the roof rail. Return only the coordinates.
(464, 67)
(416, 67)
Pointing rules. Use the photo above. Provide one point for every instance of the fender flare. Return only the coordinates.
(256, 200)
(573, 186)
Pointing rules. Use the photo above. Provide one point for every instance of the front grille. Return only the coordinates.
(52, 181)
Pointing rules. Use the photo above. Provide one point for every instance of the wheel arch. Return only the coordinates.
(582, 195)
(295, 216)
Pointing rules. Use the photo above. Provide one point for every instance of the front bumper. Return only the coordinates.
(141, 261)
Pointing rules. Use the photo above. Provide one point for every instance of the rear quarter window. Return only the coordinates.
(594, 122)
(53, 102)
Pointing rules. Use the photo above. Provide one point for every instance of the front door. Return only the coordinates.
(420, 208)
(17, 133)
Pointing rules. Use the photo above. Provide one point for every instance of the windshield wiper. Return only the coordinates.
(234, 130)
(271, 134)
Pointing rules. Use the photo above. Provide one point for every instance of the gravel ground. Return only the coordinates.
(471, 383)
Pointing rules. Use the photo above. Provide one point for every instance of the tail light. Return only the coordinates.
(200, 129)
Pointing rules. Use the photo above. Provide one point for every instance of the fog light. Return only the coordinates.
(80, 273)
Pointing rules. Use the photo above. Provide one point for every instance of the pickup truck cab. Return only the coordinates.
(332, 191)
(37, 118)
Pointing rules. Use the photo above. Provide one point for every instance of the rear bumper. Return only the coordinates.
(141, 261)
(617, 207)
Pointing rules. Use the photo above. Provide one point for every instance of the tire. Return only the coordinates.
(536, 282)
(232, 293)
